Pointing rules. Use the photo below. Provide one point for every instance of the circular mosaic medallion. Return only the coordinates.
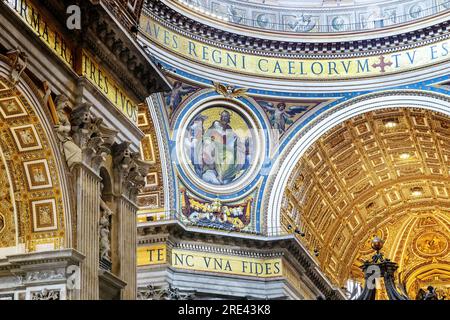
(220, 146)
(431, 244)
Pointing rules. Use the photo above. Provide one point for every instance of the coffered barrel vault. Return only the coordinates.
(371, 171)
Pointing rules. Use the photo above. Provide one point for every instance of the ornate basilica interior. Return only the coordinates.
(225, 149)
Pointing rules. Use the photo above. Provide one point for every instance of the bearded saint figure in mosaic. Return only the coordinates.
(219, 153)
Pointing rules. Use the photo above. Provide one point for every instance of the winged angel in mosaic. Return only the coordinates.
(280, 115)
(175, 97)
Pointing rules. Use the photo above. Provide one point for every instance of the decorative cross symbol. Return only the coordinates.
(382, 64)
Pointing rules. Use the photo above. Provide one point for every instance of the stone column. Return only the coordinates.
(127, 229)
(87, 134)
(130, 172)
(88, 204)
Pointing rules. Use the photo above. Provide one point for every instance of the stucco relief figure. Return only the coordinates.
(71, 151)
(19, 60)
(104, 231)
(235, 15)
(12, 107)
(301, 23)
(38, 175)
(27, 137)
(46, 294)
(45, 216)
(218, 153)
(431, 244)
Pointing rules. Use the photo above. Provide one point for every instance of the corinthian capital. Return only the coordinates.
(91, 135)
(82, 121)
(122, 157)
(131, 169)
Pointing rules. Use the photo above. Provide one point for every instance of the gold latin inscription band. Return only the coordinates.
(294, 68)
(45, 31)
(151, 255)
(101, 79)
(210, 262)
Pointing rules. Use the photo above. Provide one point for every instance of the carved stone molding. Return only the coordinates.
(46, 294)
(45, 275)
(19, 60)
(169, 293)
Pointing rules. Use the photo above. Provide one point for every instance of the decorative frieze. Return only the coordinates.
(168, 293)
(46, 294)
(45, 275)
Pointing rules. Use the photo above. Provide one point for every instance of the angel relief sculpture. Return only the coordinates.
(72, 152)
(281, 115)
(105, 230)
